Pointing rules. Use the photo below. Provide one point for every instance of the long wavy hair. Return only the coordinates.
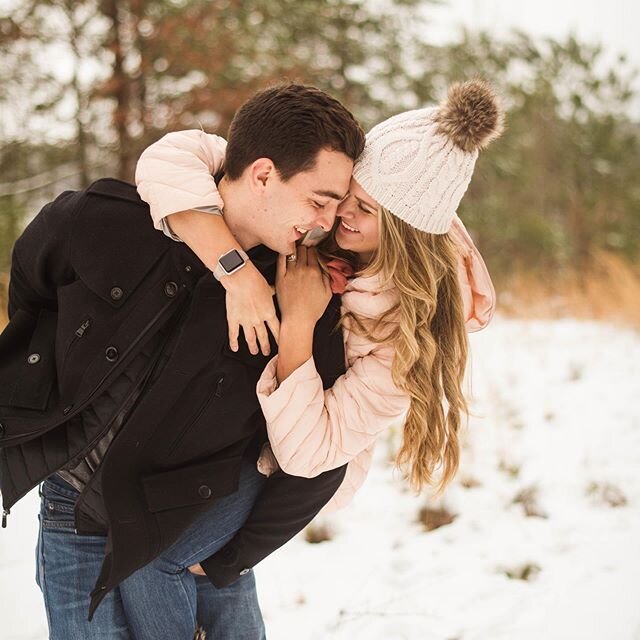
(427, 330)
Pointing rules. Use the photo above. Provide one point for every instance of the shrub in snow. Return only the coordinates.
(526, 571)
(607, 494)
(510, 468)
(528, 498)
(469, 482)
(318, 532)
(575, 371)
(431, 518)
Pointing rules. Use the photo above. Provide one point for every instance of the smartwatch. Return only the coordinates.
(230, 262)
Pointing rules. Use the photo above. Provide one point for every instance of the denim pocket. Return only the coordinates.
(57, 510)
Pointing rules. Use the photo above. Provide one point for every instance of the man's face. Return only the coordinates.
(307, 200)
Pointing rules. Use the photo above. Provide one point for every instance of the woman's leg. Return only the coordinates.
(179, 598)
(67, 568)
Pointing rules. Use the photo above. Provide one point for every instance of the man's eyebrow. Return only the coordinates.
(331, 194)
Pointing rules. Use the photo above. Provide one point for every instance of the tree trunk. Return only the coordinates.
(121, 92)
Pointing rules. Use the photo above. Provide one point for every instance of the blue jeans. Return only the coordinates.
(161, 600)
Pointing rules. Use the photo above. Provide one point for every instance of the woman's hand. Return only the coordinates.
(303, 289)
(250, 306)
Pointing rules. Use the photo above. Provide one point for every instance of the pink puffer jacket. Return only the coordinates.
(311, 430)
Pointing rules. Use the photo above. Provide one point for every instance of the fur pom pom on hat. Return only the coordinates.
(418, 164)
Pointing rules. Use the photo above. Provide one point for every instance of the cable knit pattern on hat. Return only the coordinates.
(418, 164)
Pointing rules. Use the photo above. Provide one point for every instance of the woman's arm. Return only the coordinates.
(304, 292)
(176, 174)
(175, 177)
(476, 287)
(312, 430)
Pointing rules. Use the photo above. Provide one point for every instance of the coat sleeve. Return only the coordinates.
(312, 430)
(41, 258)
(176, 174)
(283, 508)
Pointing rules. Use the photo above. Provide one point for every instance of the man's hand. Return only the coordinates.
(250, 306)
(197, 570)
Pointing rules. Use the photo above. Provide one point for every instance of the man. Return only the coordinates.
(116, 377)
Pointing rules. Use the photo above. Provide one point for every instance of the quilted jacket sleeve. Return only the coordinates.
(312, 430)
(176, 174)
(478, 294)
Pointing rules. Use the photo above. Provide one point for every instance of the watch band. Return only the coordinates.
(230, 262)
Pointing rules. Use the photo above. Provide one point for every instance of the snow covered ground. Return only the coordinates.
(557, 425)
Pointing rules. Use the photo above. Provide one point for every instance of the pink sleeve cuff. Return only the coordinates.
(274, 398)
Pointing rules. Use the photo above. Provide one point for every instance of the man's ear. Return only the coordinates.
(260, 172)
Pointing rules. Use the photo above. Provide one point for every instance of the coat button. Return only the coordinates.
(204, 492)
(111, 353)
(67, 409)
(34, 358)
(171, 289)
(116, 293)
(245, 571)
(1, 430)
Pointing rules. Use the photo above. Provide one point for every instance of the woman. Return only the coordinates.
(412, 285)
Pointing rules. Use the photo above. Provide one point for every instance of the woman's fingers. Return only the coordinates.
(312, 257)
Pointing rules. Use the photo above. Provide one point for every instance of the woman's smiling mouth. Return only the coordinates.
(344, 225)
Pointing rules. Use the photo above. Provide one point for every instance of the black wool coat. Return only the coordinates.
(93, 286)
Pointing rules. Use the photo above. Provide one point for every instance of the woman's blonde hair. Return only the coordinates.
(427, 330)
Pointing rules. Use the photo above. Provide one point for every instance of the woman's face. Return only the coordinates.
(358, 223)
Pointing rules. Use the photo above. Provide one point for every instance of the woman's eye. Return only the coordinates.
(363, 209)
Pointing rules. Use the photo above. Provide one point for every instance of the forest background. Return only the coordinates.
(554, 206)
(537, 536)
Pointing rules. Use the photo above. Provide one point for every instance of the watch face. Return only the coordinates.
(231, 261)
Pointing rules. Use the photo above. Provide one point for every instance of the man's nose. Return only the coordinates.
(327, 217)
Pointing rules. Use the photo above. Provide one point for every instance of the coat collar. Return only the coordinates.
(115, 189)
(114, 244)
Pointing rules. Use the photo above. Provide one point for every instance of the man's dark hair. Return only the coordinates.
(290, 124)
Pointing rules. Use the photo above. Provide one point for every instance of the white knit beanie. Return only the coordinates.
(418, 164)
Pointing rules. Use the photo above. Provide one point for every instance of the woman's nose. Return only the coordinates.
(345, 209)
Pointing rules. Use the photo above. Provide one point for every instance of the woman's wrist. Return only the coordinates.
(297, 328)
(295, 347)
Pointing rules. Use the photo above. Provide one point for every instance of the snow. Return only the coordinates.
(555, 410)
